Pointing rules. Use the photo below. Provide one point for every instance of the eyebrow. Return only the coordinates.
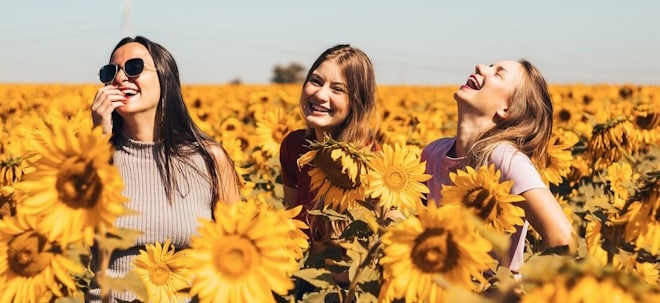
(317, 76)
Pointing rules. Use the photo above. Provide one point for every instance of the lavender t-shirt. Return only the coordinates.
(514, 165)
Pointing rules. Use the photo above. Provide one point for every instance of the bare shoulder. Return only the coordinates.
(217, 152)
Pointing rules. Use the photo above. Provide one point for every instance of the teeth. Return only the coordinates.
(319, 108)
(473, 83)
(129, 92)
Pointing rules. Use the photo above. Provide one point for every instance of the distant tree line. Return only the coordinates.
(292, 73)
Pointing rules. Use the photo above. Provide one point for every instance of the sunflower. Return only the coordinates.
(273, 127)
(558, 159)
(593, 239)
(13, 164)
(583, 281)
(396, 176)
(610, 141)
(243, 257)
(579, 169)
(488, 198)
(438, 243)
(643, 215)
(567, 114)
(259, 202)
(62, 109)
(588, 289)
(339, 174)
(646, 119)
(297, 237)
(620, 178)
(649, 272)
(74, 186)
(164, 272)
(233, 128)
(33, 262)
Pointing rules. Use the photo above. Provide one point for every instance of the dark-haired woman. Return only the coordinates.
(173, 173)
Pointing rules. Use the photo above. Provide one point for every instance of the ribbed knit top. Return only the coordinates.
(157, 218)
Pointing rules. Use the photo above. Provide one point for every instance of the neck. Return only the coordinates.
(140, 129)
(320, 134)
(468, 130)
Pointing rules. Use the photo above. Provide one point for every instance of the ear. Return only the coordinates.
(502, 113)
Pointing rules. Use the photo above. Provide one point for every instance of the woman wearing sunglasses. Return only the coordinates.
(173, 172)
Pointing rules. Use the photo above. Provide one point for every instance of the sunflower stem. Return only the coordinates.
(101, 275)
(624, 153)
(351, 289)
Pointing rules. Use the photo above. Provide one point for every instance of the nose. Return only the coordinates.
(323, 93)
(121, 75)
(479, 69)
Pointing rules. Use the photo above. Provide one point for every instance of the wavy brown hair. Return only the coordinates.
(360, 127)
(528, 125)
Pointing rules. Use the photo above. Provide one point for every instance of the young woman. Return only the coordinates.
(173, 173)
(505, 119)
(338, 98)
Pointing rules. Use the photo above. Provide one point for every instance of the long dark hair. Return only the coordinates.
(175, 129)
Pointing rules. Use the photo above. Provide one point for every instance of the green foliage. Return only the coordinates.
(292, 73)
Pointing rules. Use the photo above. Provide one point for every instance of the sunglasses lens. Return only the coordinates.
(107, 73)
(134, 67)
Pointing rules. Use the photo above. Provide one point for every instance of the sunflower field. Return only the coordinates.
(59, 194)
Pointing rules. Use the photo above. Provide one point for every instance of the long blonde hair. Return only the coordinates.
(528, 125)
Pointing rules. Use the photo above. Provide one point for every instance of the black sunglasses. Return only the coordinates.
(132, 68)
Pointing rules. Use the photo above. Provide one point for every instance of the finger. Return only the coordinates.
(106, 97)
(107, 91)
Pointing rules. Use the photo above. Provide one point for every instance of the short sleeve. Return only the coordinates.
(517, 167)
(289, 152)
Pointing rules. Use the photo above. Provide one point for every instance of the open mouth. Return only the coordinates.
(129, 92)
(473, 83)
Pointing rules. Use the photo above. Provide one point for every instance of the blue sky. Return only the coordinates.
(412, 42)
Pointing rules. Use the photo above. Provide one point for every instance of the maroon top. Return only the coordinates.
(293, 146)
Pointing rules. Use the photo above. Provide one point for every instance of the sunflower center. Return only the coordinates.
(481, 200)
(648, 121)
(238, 255)
(28, 254)
(334, 170)
(564, 115)
(78, 184)
(434, 251)
(395, 179)
(160, 274)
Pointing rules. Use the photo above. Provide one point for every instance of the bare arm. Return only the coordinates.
(548, 219)
(228, 181)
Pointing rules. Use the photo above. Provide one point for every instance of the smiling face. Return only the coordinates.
(488, 91)
(142, 92)
(324, 99)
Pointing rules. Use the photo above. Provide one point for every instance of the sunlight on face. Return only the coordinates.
(324, 99)
(490, 88)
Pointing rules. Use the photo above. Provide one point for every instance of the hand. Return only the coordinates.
(107, 99)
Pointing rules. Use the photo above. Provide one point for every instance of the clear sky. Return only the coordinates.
(412, 42)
